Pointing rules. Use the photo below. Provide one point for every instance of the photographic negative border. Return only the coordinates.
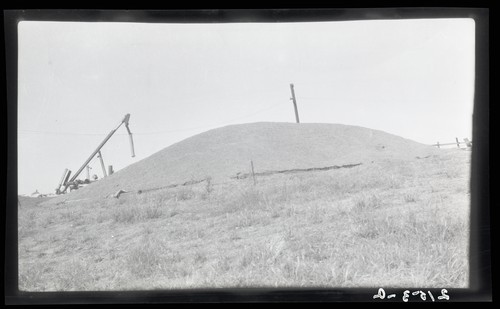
(480, 245)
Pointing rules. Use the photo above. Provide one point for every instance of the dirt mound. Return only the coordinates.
(224, 152)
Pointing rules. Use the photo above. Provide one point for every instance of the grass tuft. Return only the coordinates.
(410, 198)
(364, 203)
(137, 213)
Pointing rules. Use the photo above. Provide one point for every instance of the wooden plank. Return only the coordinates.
(294, 104)
(298, 170)
(253, 173)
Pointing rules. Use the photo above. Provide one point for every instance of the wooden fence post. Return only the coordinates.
(438, 145)
(253, 173)
(458, 143)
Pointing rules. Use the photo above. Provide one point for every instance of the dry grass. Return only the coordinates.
(390, 223)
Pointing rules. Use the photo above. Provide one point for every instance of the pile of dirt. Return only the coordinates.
(224, 152)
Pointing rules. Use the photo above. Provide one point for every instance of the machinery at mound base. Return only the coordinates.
(73, 183)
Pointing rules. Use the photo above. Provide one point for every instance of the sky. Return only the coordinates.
(77, 80)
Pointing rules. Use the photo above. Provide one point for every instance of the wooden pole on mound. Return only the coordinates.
(294, 104)
(253, 173)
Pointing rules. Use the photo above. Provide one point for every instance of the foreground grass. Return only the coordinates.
(403, 224)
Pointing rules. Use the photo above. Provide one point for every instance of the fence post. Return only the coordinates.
(253, 173)
(438, 145)
(458, 143)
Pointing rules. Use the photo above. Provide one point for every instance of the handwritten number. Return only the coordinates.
(381, 294)
(431, 296)
(422, 295)
(405, 296)
(444, 294)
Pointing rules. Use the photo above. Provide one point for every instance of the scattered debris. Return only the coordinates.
(78, 200)
(423, 157)
(118, 193)
(38, 194)
(72, 201)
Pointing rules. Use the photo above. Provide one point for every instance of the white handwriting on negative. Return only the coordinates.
(406, 295)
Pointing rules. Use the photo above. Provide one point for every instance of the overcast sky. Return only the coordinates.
(412, 78)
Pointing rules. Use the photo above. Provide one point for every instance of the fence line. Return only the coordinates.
(187, 183)
(466, 142)
(267, 173)
(237, 177)
(298, 170)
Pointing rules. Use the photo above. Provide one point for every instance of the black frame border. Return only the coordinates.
(480, 241)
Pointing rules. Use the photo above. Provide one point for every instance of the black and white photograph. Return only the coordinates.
(312, 154)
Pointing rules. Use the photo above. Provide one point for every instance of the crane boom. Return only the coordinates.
(98, 149)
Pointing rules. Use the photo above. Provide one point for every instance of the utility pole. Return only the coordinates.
(294, 104)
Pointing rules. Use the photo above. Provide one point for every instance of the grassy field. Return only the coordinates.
(381, 224)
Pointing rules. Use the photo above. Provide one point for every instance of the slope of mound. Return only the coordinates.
(31, 201)
(222, 153)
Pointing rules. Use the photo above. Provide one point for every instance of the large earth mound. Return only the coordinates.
(222, 153)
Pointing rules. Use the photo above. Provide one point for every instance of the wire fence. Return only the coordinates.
(466, 142)
(238, 176)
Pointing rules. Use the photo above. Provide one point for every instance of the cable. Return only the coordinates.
(153, 132)
(211, 125)
(57, 133)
